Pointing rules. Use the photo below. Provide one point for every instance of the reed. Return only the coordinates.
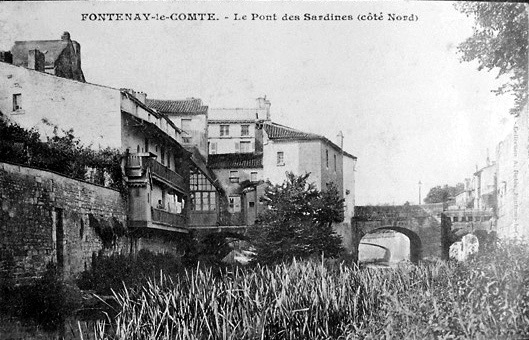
(484, 298)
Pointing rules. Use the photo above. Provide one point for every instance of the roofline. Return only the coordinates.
(310, 136)
(182, 112)
(53, 75)
(231, 121)
(155, 113)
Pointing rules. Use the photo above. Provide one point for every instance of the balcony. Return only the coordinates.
(165, 217)
(166, 175)
(139, 162)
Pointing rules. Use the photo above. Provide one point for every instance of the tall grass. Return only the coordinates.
(485, 298)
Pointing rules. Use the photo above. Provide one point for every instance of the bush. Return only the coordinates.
(112, 272)
(48, 301)
(298, 222)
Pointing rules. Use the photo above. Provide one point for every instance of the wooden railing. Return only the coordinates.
(162, 216)
(166, 174)
(137, 164)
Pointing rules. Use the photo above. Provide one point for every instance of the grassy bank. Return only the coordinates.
(484, 298)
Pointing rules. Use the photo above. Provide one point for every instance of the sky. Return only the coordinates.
(408, 108)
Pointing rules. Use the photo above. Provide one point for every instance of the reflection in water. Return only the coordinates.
(385, 246)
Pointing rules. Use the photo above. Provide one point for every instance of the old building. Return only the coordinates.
(247, 149)
(207, 197)
(58, 57)
(156, 165)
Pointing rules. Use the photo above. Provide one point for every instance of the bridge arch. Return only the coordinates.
(416, 247)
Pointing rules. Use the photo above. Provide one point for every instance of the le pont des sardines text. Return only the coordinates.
(247, 17)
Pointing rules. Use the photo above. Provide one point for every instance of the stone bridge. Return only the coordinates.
(431, 228)
(422, 224)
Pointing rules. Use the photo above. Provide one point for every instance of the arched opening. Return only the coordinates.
(390, 245)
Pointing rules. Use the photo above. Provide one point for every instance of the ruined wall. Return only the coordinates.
(46, 217)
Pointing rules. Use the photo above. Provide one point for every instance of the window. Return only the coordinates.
(203, 197)
(251, 204)
(213, 148)
(186, 140)
(245, 130)
(234, 176)
(17, 101)
(253, 176)
(334, 162)
(327, 158)
(234, 204)
(280, 158)
(146, 145)
(455, 219)
(245, 147)
(224, 130)
(162, 155)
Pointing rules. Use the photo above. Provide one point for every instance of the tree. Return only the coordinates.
(440, 194)
(499, 41)
(298, 222)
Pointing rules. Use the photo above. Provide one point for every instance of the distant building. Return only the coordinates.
(233, 130)
(512, 159)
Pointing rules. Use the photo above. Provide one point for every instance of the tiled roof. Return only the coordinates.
(185, 106)
(276, 131)
(281, 132)
(52, 49)
(235, 160)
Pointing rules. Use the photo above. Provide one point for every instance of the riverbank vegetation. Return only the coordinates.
(486, 297)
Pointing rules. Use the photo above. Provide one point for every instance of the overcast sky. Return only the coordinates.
(409, 110)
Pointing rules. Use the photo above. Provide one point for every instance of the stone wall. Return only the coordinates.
(46, 217)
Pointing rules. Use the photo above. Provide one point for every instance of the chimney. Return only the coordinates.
(65, 36)
(6, 57)
(263, 103)
(259, 137)
(36, 60)
(141, 96)
(339, 139)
